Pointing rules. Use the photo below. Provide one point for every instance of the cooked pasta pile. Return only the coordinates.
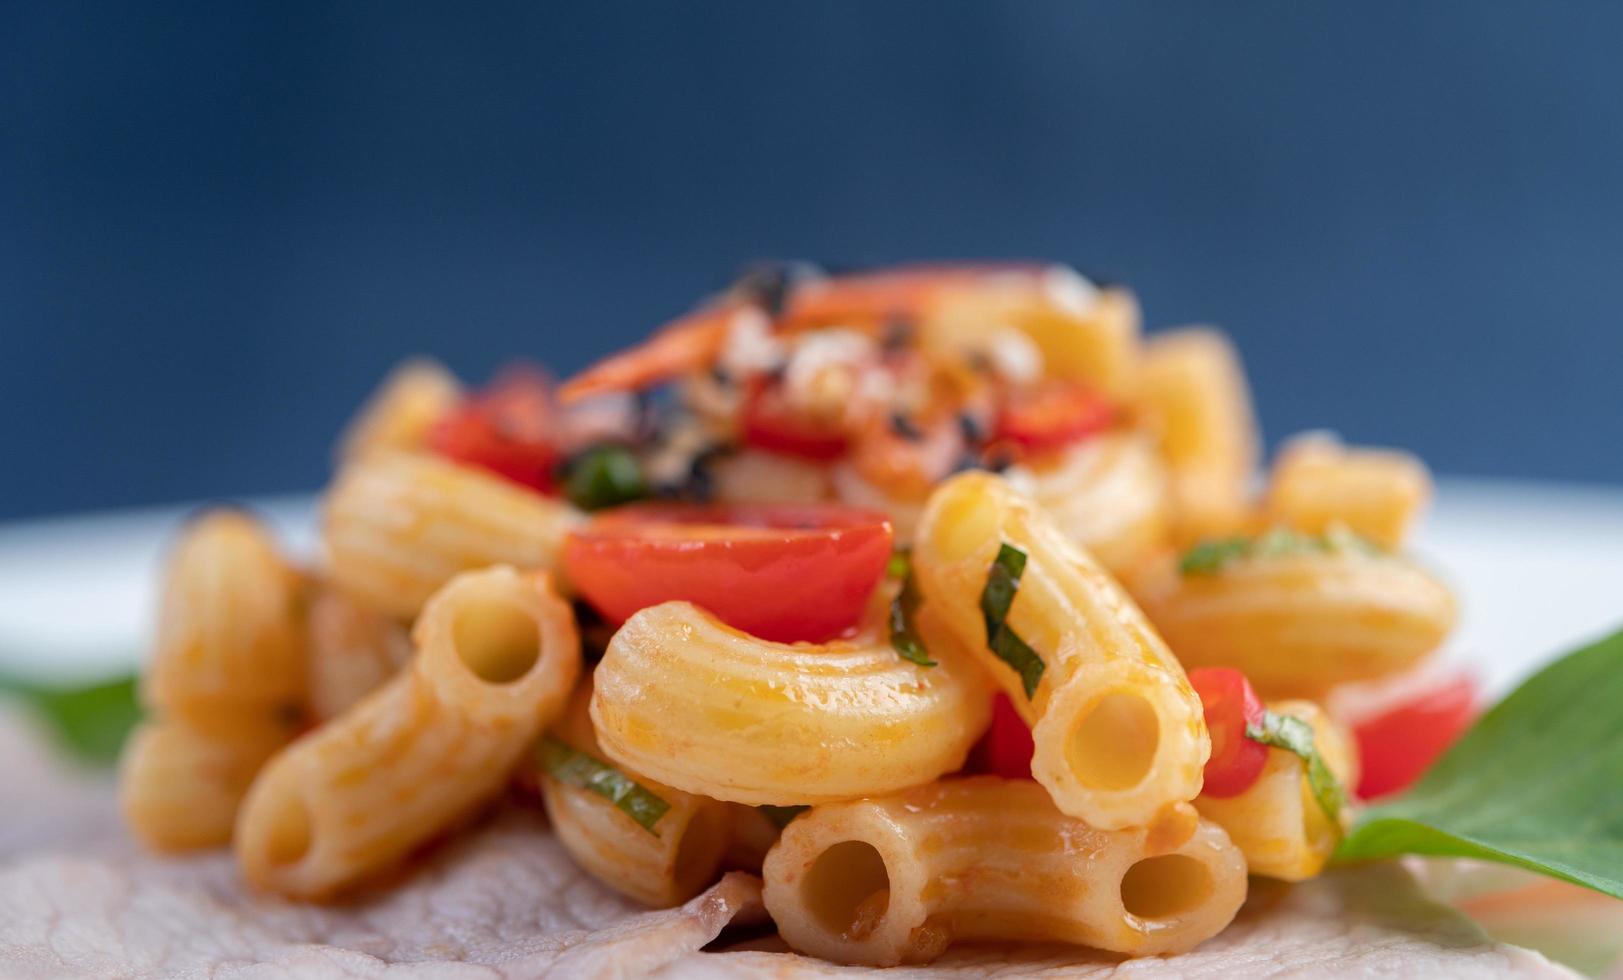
(937, 596)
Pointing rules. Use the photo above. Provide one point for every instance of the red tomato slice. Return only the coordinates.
(509, 429)
(1399, 743)
(771, 424)
(1230, 705)
(1053, 414)
(1005, 750)
(782, 573)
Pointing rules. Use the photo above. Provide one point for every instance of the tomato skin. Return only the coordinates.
(769, 423)
(1005, 750)
(508, 429)
(1231, 705)
(1052, 415)
(783, 573)
(1397, 745)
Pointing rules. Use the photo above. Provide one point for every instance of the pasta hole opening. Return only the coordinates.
(1113, 743)
(497, 641)
(291, 833)
(967, 523)
(1165, 886)
(848, 889)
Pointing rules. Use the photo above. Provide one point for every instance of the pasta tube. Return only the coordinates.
(398, 526)
(897, 879)
(1083, 333)
(181, 779)
(1109, 494)
(354, 649)
(658, 857)
(1193, 393)
(1299, 620)
(1119, 732)
(1277, 823)
(497, 655)
(400, 414)
(229, 624)
(224, 685)
(1318, 483)
(698, 705)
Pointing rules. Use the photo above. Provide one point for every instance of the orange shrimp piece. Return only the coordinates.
(682, 346)
(873, 298)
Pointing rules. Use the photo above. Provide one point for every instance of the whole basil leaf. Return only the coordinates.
(91, 721)
(1537, 783)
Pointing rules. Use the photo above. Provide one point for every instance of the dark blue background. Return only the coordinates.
(219, 224)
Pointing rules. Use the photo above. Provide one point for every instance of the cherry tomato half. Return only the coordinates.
(1400, 742)
(1231, 705)
(1005, 750)
(771, 424)
(782, 573)
(509, 429)
(1052, 414)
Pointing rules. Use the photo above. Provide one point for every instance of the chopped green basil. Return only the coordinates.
(1537, 782)
(90, 721)
(1296, 736)
(604, 476)
(1002, 582)
(900, 564)
(781, 815)
(570, 765)
(1210, 557)
(904, 637)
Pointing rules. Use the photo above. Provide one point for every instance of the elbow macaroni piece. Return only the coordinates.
(401, 413)
(1109, 494)
(497, 655)
(354, 649)
(665, 866)
(1119, 733)
(398, 526)
(224, 685)
(1193, 392)
(1298, 624)
(1377, 493)
(896, 879)
(698, 705)
(1276, 823)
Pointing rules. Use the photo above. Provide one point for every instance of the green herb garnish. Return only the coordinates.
(570, 765)
(1002, 582)
(91, 722)
(781, 815)
(1211, 557)
(904, 637)
(604, 476)
(1537, 782)
(1296, 736)
(900, 564)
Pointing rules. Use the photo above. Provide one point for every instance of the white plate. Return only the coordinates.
(1537, 567)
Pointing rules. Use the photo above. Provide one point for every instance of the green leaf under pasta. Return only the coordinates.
(1538, 782)
(90, 721)
(570, 765)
